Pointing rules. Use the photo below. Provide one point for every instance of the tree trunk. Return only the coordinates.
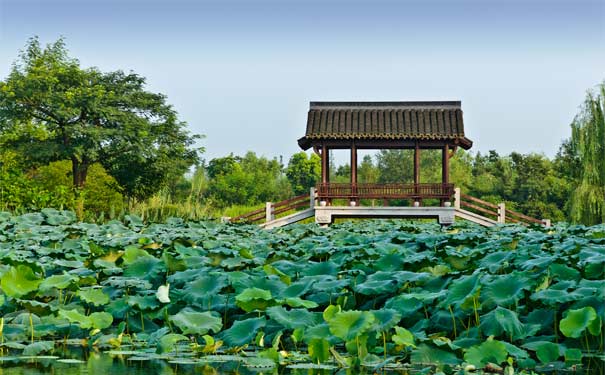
(79, 170)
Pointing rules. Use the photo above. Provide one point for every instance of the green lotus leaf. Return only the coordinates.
(490, 351)
(144, 303)
(270, 270)
(38, 347)
(330, 311)
(94, 296)
(19, 281)
(515, 351)
(505, 290)
(385, 319)
(576, 321)
(379, 283)
(133, 253)
(573, 356)
(563, 272)
(254, 299)
(461, 290)
(503, 321)
(242, 331)
(347, 325)
(167, 343)
(330, 284)
(495, 261)
(548, 352)
(298, 302)
(74, 316)
(554, 297)
(294, 318)
(100, 320)
(147, 267)
(319, 350)
(56, 217)
(57, 282)
(197, 323)
(404, 337)
(203, 286)
(424, 354)
(297, 289)
(321, 269)
(595, 326)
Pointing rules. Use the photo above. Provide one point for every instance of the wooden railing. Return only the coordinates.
(496, 212)
(271, 210)
(327, 191)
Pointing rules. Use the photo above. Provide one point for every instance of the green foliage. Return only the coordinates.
(360, 293)
(577, 321)
(303, 172)
(90, 117)
(490, 351)
(247, 180)
(588, 147)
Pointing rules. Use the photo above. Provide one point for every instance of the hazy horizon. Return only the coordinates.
(243, 73)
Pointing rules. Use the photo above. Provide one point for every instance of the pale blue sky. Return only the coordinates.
(243, 72)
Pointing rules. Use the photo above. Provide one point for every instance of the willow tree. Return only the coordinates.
(588, 143)
(89, 116)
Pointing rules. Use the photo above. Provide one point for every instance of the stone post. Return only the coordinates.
(501, 213)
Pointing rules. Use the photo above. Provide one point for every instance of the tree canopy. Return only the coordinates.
(587, 146)
(87, 116)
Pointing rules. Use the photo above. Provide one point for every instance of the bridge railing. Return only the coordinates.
(495, 212)
(272, 210)
(356, 191)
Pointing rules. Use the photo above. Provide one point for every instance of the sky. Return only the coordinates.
(242, 73)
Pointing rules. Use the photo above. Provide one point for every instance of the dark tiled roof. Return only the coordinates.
(384, 121)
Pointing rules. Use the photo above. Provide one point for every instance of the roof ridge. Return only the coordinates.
(388, 104)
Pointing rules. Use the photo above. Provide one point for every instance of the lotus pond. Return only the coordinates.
(362, 296)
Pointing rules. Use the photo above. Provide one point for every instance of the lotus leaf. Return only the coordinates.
(491, 351)
(503, 321)
(254, 299)
(404, 337)
(424, 354)
(94, 296)
(319, 350)
(19, 281)
(548, 352)
(197, 323)
(294, 318)
(242, 331)
(38, 347)
(505, 290)
(168, 342)
(57, 282)
(347, 325)
(461, 290)
(144, 302)
(576, 321)
(297, 302)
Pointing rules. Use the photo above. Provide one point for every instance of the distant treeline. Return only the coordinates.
(100, 144)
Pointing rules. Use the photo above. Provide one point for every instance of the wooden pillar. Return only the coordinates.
(353, 163)
(445, 167)
(417, 201)
(417, 164)
(353, 172)
(325, 171)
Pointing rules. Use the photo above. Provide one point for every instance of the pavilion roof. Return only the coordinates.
(394, 121)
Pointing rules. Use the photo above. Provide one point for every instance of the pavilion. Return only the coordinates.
(385, 125)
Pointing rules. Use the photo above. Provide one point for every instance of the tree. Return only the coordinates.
(90, 116)
(588, 144)
(247, 180)
(367, 172)
(303, 172)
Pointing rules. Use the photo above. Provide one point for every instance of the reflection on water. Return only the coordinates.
(105, 364)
